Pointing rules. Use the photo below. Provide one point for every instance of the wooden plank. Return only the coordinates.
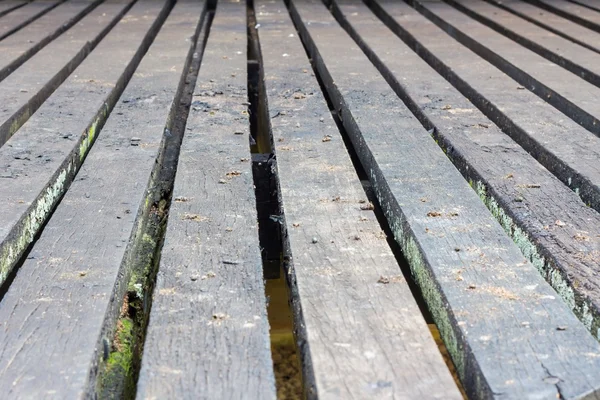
(10, 5)
(208, 336)
(571, 56)
(24, 91)
(574, 97)
(17, 48)
(80, 261)
(591, 4)
(36, 170)
(498, 167)
(540, 131)
(495, 312)
(576, 13)
(554, 23)
(321, 197)
(23, 16)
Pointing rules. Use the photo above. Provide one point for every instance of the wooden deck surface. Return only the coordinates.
(404, 165)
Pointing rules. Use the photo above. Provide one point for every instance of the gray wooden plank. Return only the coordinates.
(23, 16)
(383, 345)
(39, 163)
(591, 4)
(208, 336)
(495, 312)
(10, 5)
(571, 56)
(17, 48)
(499, 169)
(24, 91)
(554, 23)
(571, 95)
(80, 260)
(575, 12)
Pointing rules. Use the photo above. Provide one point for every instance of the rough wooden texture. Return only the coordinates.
(208, 336)
(38, 164)
(24, 91)
(495, 312)
(571, 56)
(553, 228)
(17, 48)
(359, 337)
(77, 262)
(574, 97)
(23, 16)
(552, 22)
(575, 12)
(540, 131)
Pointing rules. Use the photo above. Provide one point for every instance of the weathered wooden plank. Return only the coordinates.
(24, 91)
(571, 56)
(17, 48)
(540, 131)
(554, 23)
(208, 336)
(383, 346)
(574, 97)
(565, 252)
(10, 5)
(575, 12)
(23, 16)
(591, 4)
(39, 163)
(495, 312)
(80, 261)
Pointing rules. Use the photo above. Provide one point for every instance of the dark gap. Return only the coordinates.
(564, 14)
(565, 63)
(18, 119)
(124, 329)
(542, 25)
(563, 172)
(39, 45)
(271, 222)
(553, 98)
(31, 19)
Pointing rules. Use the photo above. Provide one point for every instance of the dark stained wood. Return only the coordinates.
(17, 48)
(571, 56)
(495, 312)
(552, 22)
(540, 131)
(358, 337)
(23, 16)
(77, 261)
(24, 91)
(208, 336)
(575, 12)
(574, 97)
(553, 228)
(38, 164)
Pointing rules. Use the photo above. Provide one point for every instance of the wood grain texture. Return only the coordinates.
(208, 336)
(359, 338)
(571, 95)
(17, 48)
(553, 228)
(38, 164)
(495, 312)
(23, 16)
(79, 263)
(552, 22)
(540, 131)
(23, 92)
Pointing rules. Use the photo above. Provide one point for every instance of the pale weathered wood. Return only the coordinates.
(80, 261)
(208, 336)
(24, 91)
(549, 223)
(575, 12)
(23, 16)
(359, 338)
(38, 164)
(17, 48)
(552, 22)
(10, 5)
(495, 312)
